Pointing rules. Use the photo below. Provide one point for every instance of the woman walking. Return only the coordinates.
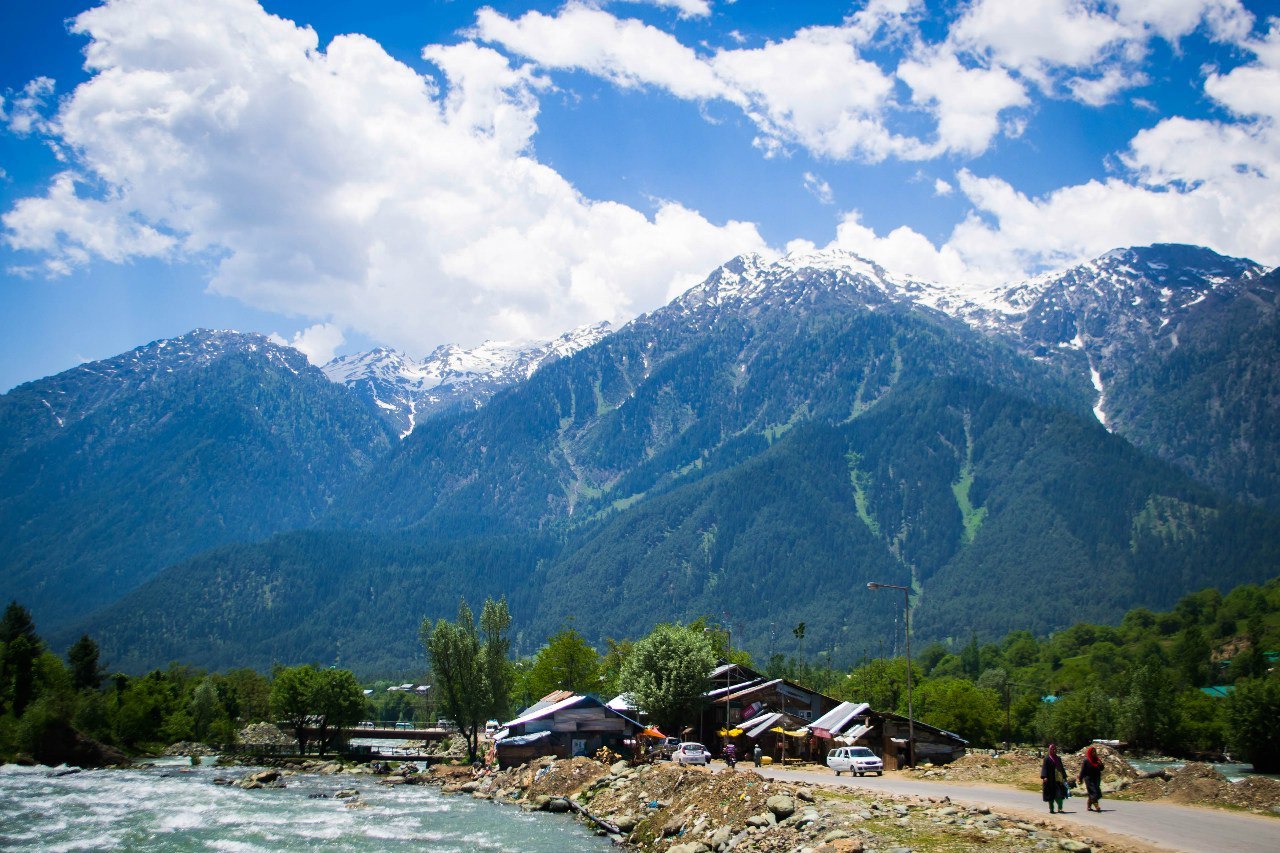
(1053, 779)
(1091, 776)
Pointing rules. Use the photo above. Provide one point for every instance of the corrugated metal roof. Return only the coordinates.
(840, 716)
(752, 689)
(538, 714)
(761, 724)
(721, 690)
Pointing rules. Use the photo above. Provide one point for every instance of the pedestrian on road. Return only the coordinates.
(757, 754)
(1053, 779)
(1091, 775)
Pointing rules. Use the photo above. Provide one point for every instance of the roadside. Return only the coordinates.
(1139, 825)
(674, 809)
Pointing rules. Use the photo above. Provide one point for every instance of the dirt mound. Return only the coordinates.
(561, 778)
(671, 799)
(265, 734)
(1199, 784)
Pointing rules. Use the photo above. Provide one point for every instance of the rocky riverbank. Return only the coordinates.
(673, 809)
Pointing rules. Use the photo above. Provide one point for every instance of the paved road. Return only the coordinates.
(1172, 827)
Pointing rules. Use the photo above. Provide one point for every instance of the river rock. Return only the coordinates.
(558, 805)
(262, 779)
(689, 847)
(761, 821)
(782, 806)
(347, 794)
(619, 767)
(624, 822)
(1073, 846)
(720, 837)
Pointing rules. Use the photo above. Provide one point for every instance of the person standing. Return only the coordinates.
(757, 754)
(1053, 779)
(1091, 775)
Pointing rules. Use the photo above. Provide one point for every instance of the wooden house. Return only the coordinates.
(564, 724)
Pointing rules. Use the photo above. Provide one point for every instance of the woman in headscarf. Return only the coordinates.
(1091, 776)
(1053, 779)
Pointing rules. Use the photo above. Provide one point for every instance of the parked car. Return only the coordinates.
(691, 753)
(666, 747)
(856, 760)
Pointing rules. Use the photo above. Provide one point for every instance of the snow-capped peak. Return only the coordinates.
(405, 390)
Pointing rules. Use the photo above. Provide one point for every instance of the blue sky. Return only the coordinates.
(415, 173)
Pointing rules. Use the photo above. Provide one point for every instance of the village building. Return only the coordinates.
(791, 722)
(564, 724)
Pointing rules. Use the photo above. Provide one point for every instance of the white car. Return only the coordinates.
(856, 760)
(691, 753)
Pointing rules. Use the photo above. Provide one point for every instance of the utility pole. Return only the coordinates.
(911, 723)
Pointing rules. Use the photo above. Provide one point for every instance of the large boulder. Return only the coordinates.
(782, 806)
(61, 744)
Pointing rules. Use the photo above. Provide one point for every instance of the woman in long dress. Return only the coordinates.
(1091, 775)
(1053, 779)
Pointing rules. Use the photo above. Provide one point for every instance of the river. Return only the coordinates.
(175, 807)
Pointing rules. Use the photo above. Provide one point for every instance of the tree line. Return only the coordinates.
(1142, 681)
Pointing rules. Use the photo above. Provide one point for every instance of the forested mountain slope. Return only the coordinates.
(115, 469)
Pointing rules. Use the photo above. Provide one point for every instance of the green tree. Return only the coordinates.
(204, 708)
(668, 672)
(472, 676)
(86, 674)
(17, 622)
(881, 683)
(1075, 719)
(292, 689)
(615, 658)
(337, 703)
(1149, 708)
(495, 625)
(566, 662)
(1252, 711)
(960, 706)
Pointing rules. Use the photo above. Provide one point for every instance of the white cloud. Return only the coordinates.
(686, 8)
(820, 189)
(319, 343)
(628, 53)
(1087, 50)
(815, 90)
(337, 184)
(942, 188)
(25, 111)
(1035, 36)
(966, 101)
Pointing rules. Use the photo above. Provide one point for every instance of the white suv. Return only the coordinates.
(856, 760)
(690, 753)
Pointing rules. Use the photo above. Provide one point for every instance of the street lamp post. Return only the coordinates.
(911, 712)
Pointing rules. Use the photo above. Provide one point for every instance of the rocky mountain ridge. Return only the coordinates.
(404, 391)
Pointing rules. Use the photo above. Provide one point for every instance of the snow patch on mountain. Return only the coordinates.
(406, 390)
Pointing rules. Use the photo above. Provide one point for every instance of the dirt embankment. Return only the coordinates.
(1193, 784)
(674, 809)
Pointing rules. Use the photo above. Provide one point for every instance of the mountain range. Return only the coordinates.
(1026, 456)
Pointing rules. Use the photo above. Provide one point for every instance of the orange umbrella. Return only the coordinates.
(652, 731)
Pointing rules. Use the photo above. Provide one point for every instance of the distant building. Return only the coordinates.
(564, 724)
(791, 721)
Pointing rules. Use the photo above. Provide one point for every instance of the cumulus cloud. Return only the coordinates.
(812, 90)
(319, 343)
(337, 184)
(628, 53)
(685, 8)
(967, 101)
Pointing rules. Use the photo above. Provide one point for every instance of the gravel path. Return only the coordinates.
(1163, 825)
